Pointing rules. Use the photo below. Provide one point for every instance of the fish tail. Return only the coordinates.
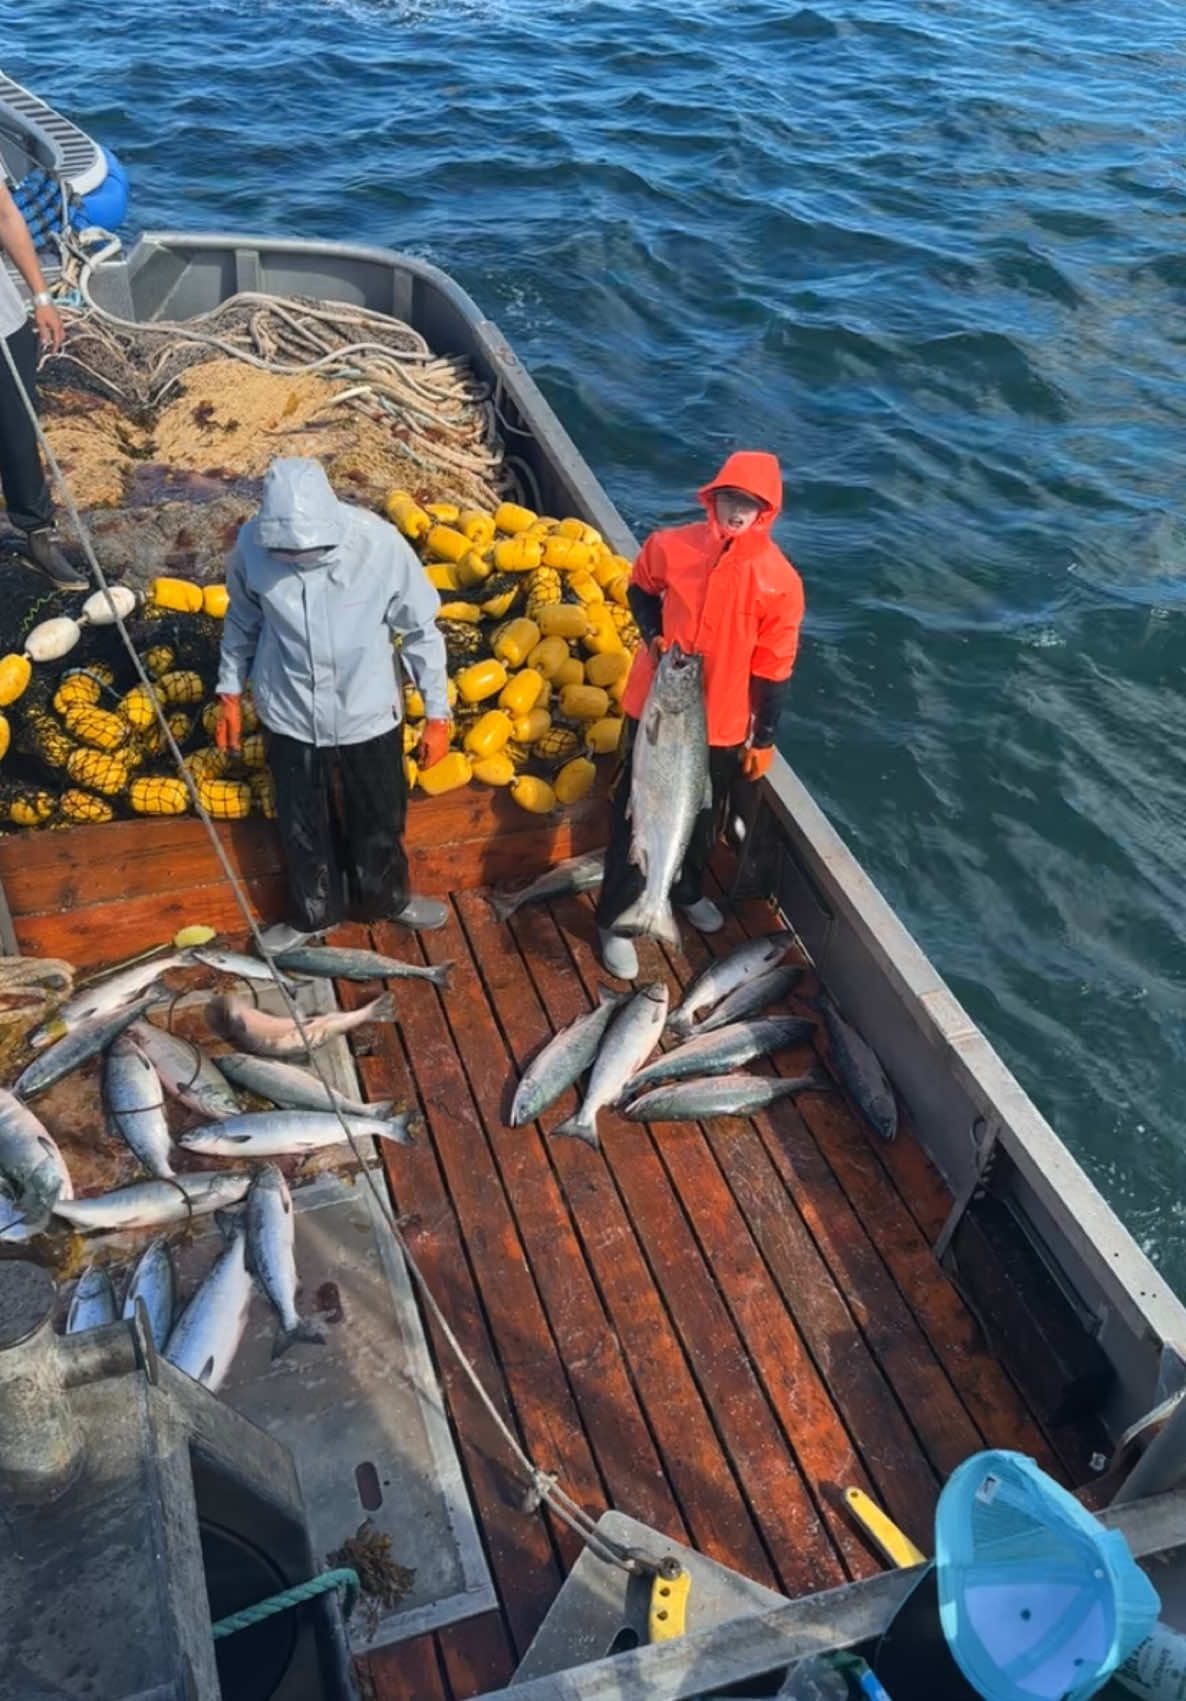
(651, 918)
(501, 907)
(381, 1108)
(305, 1330)
(399, 1129)
(815, 1081)
(383, 1009)
(580, 1130)
(441, 975)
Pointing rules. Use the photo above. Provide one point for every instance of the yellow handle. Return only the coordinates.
(669, 1603)
(893, 1542)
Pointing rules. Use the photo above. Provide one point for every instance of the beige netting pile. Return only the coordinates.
(217, 399)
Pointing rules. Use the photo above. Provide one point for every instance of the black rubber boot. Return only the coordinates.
(45, 552)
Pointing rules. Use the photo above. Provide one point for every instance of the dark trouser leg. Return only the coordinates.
(306, 832)
(26, 493)
(723, 764)
(622, 881)
(374, 805)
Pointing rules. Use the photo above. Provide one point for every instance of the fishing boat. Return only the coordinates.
(716, 1330)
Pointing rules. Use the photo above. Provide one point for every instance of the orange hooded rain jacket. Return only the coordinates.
(735, 600)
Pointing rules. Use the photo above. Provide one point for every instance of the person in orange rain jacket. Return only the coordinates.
(721, 587)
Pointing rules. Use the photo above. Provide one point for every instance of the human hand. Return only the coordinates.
(757, 760)
(434, 743)
(50, 330)
(228, 733)
(659, 646)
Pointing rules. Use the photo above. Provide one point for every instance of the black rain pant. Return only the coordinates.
(622, 882)
(26, 493)
(341, 818)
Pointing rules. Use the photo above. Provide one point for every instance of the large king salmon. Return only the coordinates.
(669, 786)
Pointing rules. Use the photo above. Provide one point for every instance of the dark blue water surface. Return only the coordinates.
(932, 253)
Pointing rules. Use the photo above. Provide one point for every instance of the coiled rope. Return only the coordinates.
(542, 1487)
(444, 418)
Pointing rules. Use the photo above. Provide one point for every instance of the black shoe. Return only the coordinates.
(44, 552)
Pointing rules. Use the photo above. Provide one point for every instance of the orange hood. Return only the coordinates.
(759, 475)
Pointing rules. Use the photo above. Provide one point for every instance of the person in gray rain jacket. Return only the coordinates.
(317, 591)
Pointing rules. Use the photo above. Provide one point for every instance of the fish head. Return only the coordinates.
(679, 680)
(269, 1178)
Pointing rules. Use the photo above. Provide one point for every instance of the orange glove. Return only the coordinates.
(756, 761)
(228, 734)
(434, 743)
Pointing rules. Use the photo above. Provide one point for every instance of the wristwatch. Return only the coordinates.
(43, 299)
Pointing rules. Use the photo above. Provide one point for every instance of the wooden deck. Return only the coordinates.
(715, 1328)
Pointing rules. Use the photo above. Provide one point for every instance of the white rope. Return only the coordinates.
(542, 1488)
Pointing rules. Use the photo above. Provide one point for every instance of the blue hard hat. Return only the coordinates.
(1037, 1600)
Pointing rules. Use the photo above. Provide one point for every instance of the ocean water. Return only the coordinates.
(932, 255)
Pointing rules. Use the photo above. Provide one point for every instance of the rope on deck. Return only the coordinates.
(342, 1578)
(542, 1487)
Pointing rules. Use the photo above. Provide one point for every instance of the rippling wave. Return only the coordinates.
(932, 255)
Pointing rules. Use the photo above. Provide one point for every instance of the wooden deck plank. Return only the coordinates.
(703, 1162)
(522, 1561)
(477, 1655)
(407, 1671)
(710, 1496)
(92, 865)
(556, 1440)
(126, 926)
(43, 873)
(803, 1550)
(992, 1398)
(842, 1241)
(592, 1355)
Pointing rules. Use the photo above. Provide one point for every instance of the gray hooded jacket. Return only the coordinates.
(314, 638)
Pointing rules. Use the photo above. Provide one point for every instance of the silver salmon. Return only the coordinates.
(860, 1071)
(278, 1036)
(270, 1252)
(332, 962)
(276, 1133)
(104, 996)
(206, 1336)
(149, 1204)
(754, 994)
(669, 786)
(722, 1095)
(575, 874)
(227, 962)
(564, 1058)
(724, 974)
(155, 1282)
(185, 1071)
(136, 1101)
(632, 1036)
(92, 1303)
(723, 1049)
(31, 1162)
(82, 1043)
(289, 1087)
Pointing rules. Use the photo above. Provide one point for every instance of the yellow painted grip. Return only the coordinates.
(893, 1542)
(669, 1605)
